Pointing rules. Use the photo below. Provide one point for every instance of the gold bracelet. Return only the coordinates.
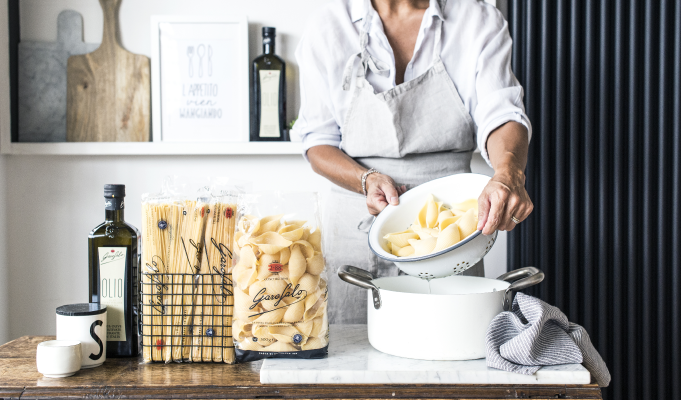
(364, 179)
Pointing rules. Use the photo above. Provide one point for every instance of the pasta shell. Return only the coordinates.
(305, 327)
(317, 310)
(241, 329)
(280, 347)
(443, 215)
(315, 239)
(319, 327)
(296, 265)
(405, 251)
(466, 205)
(269, 305)
(244, 240)
(294, 312)
(287, 334)
(421, 217)
(401, 239)
(270, 242)
(262, 331)
(293, 235)
(447, 238)
(249, 344)
(284, 255)
(394, 249)
(306, 234)
(296, 223)
(270, 317)
(244, 276)
(468, 223)
(315, 264)
(422, 247)
(309, 283)
(273, 285)
(306, 247)
(432, 211)
(243, 302)
(270, 223)
(313, 343)
(425, 233)
(249, 224)
(247, 258)
(448, 221)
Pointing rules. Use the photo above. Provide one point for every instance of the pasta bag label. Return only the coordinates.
(275, 267)
(274, 302)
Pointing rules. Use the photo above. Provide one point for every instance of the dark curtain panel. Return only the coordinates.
(603, 91)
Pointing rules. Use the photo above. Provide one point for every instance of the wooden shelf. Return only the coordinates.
(153, 148)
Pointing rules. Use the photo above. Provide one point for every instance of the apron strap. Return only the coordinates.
(437, 46)
(367, 60)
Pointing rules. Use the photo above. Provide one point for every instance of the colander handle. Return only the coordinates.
(521, 278)
(359, 277)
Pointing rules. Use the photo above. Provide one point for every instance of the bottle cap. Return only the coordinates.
(114, 191)
(269, 31)
(74, 310)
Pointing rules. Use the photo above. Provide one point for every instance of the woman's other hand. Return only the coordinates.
(505, 197)
(381, 191)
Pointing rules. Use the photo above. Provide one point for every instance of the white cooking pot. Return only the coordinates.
(440, 319)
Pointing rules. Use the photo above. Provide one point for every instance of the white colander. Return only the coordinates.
(453, 260)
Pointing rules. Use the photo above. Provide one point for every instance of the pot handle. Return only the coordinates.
(521, 278)
(359, 277)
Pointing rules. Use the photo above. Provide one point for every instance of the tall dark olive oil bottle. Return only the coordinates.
(114, 266)
(268, 93)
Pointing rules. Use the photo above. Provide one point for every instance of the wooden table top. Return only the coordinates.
(131, 378)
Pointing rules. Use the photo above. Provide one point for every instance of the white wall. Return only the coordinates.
(53, 201)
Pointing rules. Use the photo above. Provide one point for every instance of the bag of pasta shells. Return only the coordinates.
(280, 281)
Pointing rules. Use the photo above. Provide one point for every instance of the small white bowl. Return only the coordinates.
(58, 358)
(453, 260)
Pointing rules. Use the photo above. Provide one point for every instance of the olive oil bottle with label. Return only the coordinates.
(114, 266)
(268, 93)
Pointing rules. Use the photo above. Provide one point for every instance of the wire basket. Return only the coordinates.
(187, 317)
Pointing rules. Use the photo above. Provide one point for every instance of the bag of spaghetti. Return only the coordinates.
(186, 288)
(280, 293)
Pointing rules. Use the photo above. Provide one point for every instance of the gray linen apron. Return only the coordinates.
(415, 132)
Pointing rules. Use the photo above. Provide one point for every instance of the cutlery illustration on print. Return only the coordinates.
(190, 54)
(210, 60)
(201, 51)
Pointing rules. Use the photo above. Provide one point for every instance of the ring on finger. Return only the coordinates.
(515, 220)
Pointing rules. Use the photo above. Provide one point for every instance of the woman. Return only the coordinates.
(394, 94)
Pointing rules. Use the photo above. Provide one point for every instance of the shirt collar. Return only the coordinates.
(359, 8)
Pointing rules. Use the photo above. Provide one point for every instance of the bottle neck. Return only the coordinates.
(114, 209)
(268, 45)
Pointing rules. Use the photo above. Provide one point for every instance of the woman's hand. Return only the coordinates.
(504, 197)
(381, 191)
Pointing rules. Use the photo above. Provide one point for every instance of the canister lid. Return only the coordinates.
(81, 309)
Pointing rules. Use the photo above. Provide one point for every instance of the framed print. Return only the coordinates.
(199, 79)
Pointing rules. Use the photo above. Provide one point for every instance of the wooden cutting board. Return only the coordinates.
(42, 80)
(108, 90)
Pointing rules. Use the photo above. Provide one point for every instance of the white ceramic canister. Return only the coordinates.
(86, 323)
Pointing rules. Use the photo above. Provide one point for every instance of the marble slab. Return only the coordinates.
(42, 80)
(352, 360)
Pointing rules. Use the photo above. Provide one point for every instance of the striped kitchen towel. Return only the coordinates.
(534, 334)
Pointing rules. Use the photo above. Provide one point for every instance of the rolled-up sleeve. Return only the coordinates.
(316, 124)
(499, 94)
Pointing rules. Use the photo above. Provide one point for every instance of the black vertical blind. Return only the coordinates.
(603, 91)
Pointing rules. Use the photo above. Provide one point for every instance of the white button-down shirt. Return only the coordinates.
(476, 51)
